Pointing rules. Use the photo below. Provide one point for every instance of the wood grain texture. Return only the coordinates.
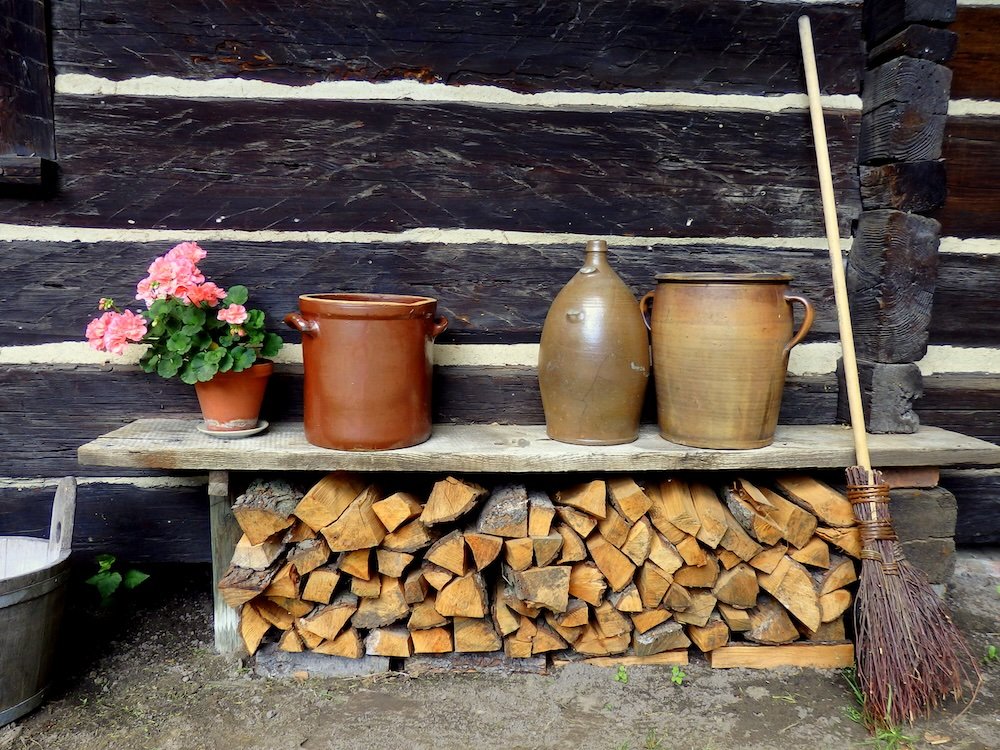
(919, 186)
(397, 165)
(888, 392)
(969, 403)
(707, 46)
(133, 523)
(976, 64)
(978, 497)
(917, 41)
(972, 153)
(25, 85)
(883, 18)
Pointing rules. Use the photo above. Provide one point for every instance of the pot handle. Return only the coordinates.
(439, 326)
(306, 327)
(807, 321)
(644, 309)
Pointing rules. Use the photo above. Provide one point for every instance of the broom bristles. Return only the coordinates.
(910, 654)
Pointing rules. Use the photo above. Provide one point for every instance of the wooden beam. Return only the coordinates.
(812, 655)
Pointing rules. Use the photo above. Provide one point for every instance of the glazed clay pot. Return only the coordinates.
(231, 401)
(720, 353)
(368, 368)
(593, 362)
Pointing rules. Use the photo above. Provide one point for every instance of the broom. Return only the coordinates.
(910, 655)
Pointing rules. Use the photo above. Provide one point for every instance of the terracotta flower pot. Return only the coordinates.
(231, 401)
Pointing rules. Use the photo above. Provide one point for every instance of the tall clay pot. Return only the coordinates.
(231, 401)
(720, 352)
(593, 363)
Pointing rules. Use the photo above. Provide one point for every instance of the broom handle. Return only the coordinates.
(833, 240)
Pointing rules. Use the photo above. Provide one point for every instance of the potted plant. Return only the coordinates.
(198, 332)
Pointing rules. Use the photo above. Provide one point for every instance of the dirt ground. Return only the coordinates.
(142, 675)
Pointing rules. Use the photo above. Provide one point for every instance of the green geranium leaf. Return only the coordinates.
(272, 345)
(148, 361)
(134, 577)
(106, 583)
(204, 365)
(226, 363)
(168, 365)
(192, 315)
(179, 342)
(237, 295)
(188, 375)
(242, 358)
(255, 319)
(225, 340)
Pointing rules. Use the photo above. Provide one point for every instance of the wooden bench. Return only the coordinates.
(498, 449)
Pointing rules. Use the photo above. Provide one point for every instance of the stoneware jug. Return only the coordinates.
(368, 362)
(720, 353)
(593, 362)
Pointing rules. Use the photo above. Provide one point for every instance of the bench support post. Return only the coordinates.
(225, 534)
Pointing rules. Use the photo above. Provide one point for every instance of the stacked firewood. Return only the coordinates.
(602, 568)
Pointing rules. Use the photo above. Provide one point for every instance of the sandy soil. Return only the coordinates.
(142, 675)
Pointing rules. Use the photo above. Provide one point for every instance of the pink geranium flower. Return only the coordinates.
(234, 314)
(96, 330)
(190, 251)
(113, 331)
(209, 293)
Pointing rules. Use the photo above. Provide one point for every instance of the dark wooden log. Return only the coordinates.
(883, 18)
(976, 64)
(971, 151)
(919, 186)
(301, 165)
(906, 81)
(968, 403)
(891, 275)
(490, 293)
(922, 42)
(977, 492)
(25, 85)
(166, 524)
(901, 132)
(887, 395)
(21, 170)
(725, 46)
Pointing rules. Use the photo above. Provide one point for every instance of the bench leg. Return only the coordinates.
(225, 534)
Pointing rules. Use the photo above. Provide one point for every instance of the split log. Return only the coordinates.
(834, 604)
(797, 525)
(358, 527)
(505, 512)
(691, 552)
(710, 636)
(308, 555)
(546, 549)
(847, 540)
(610, 621)
(758, 523)
(815, 553)
(415, 587)
(253, 628)
(737, 541)
(593, 643)
(290, 642)
(357, 563)
(791, 584)
(626, 600)
(664, 554)
(320, 584)
(284, 583)
(768, 558)
(591, 498)
(544, 587)
(814, 655)
(424, 615)
(393, 641)
(828, 632)
(367, 589)
(391, 563)
(701, 608)
(577, 520)
(728, 559)
(711, 518)
(432, 641)
(309, 639)
(397, 509)
(240, 585)
(546, 639)
(737, 620)
(347, 644)
(828, 505)
(699, 576)
(449, 553)
(639, 541)
(587, 583)
(518, 553)
(297, 532)
(409, 537)
(278, 616)
(677, 598)
(257, 556)
(669, 636)
(505, 619)
(266, 508)
(389, 607)
(541, 511)
(463, 597)
(613, 527)
(577, 613)
(293, 606)
(475, 635)
(435, 575)
(649, 619)
(652, 583)
(770, 623)
(628, 498)
(450, 498)
(328, 499)
(327, 622)
(485, 548)
(615, 566)
(841, 572)
(658, 515)
(569, 633)
(573, 549)
(678, 506)
(737, 587)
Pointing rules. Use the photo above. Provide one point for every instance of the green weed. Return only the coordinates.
(107, 580)
(884, 734)
(677, 675)
(992, 655)
(621, 675)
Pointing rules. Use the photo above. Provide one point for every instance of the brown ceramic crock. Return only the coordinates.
(720, 353)
(368, 368)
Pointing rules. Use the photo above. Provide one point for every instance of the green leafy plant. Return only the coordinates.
(677, 675)
(884, 734)
(193, 328)
(652, 741)
(992, 655)
(107, 580)
(621, 675)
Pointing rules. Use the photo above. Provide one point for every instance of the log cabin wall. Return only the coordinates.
(459, 150)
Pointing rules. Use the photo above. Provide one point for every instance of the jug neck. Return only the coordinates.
(595, 256)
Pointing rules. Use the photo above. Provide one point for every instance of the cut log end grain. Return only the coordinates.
(710, 636)
(358, 527)
(475, 635)
(397, 509)
(266, 508)
(591, 498)
(677, 506)
(668, 636)
(424, 615)
(320, 584)
(463, 597)
(449, 553)
(577, 520)
(253, 628)
(638, 544)
(711, 518)
(348, 645)
(410, 537)
(392, 642)
(484, 548)
(449, 499)
(573, 549)
(541, 512)
(612, 563)
(432, 641)
(505, 512)
(258, 556)
(628, 498)
(328, 499)
(546, 587)
(614, 527)
(821, 500)
(587, 583)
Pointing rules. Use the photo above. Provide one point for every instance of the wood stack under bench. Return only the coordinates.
(625, 558)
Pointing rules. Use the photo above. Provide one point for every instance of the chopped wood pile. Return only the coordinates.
(602, 568)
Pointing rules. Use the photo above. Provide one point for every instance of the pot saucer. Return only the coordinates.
(233, 434)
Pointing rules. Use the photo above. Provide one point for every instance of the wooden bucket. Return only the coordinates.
(33, 574)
